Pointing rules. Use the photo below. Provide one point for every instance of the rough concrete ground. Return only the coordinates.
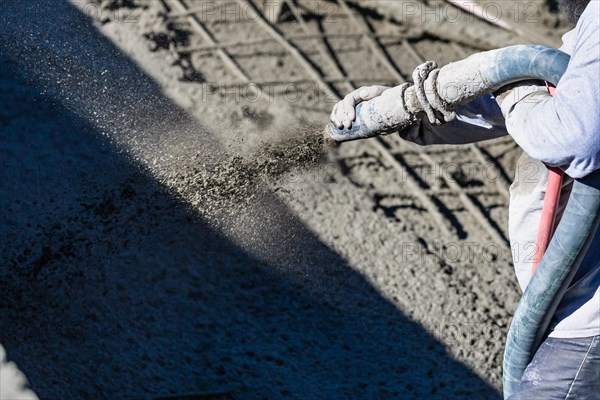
(120, 291)
(124, 282)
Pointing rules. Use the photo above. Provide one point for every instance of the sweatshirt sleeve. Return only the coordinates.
(481, 119)
(564, 130)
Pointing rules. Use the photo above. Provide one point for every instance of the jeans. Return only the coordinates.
(563, 369)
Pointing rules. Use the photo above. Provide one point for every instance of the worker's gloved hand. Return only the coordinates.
(508, 96)
(343, 113)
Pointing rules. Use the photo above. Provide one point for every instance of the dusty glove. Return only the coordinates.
(508, 96)
(434, 107)
(343, 113)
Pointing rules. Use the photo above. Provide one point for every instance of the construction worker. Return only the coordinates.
(562, 131)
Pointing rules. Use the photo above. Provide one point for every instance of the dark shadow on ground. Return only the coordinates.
(113, 288)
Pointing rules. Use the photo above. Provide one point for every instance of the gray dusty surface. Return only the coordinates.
(160, 238)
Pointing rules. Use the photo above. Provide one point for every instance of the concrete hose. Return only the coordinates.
(457, 83)
(559, 264)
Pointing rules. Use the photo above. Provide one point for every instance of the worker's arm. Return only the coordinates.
(564, 130)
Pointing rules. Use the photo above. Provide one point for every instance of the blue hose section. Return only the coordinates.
(553, 276)
(516, 63)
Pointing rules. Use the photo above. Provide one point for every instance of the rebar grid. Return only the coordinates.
(426, 196)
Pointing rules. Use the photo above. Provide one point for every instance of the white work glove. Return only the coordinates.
(343, 113)
(508, 96)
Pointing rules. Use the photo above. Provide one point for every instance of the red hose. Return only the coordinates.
(547, 222)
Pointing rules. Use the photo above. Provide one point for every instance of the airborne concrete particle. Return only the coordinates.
(234, 182)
